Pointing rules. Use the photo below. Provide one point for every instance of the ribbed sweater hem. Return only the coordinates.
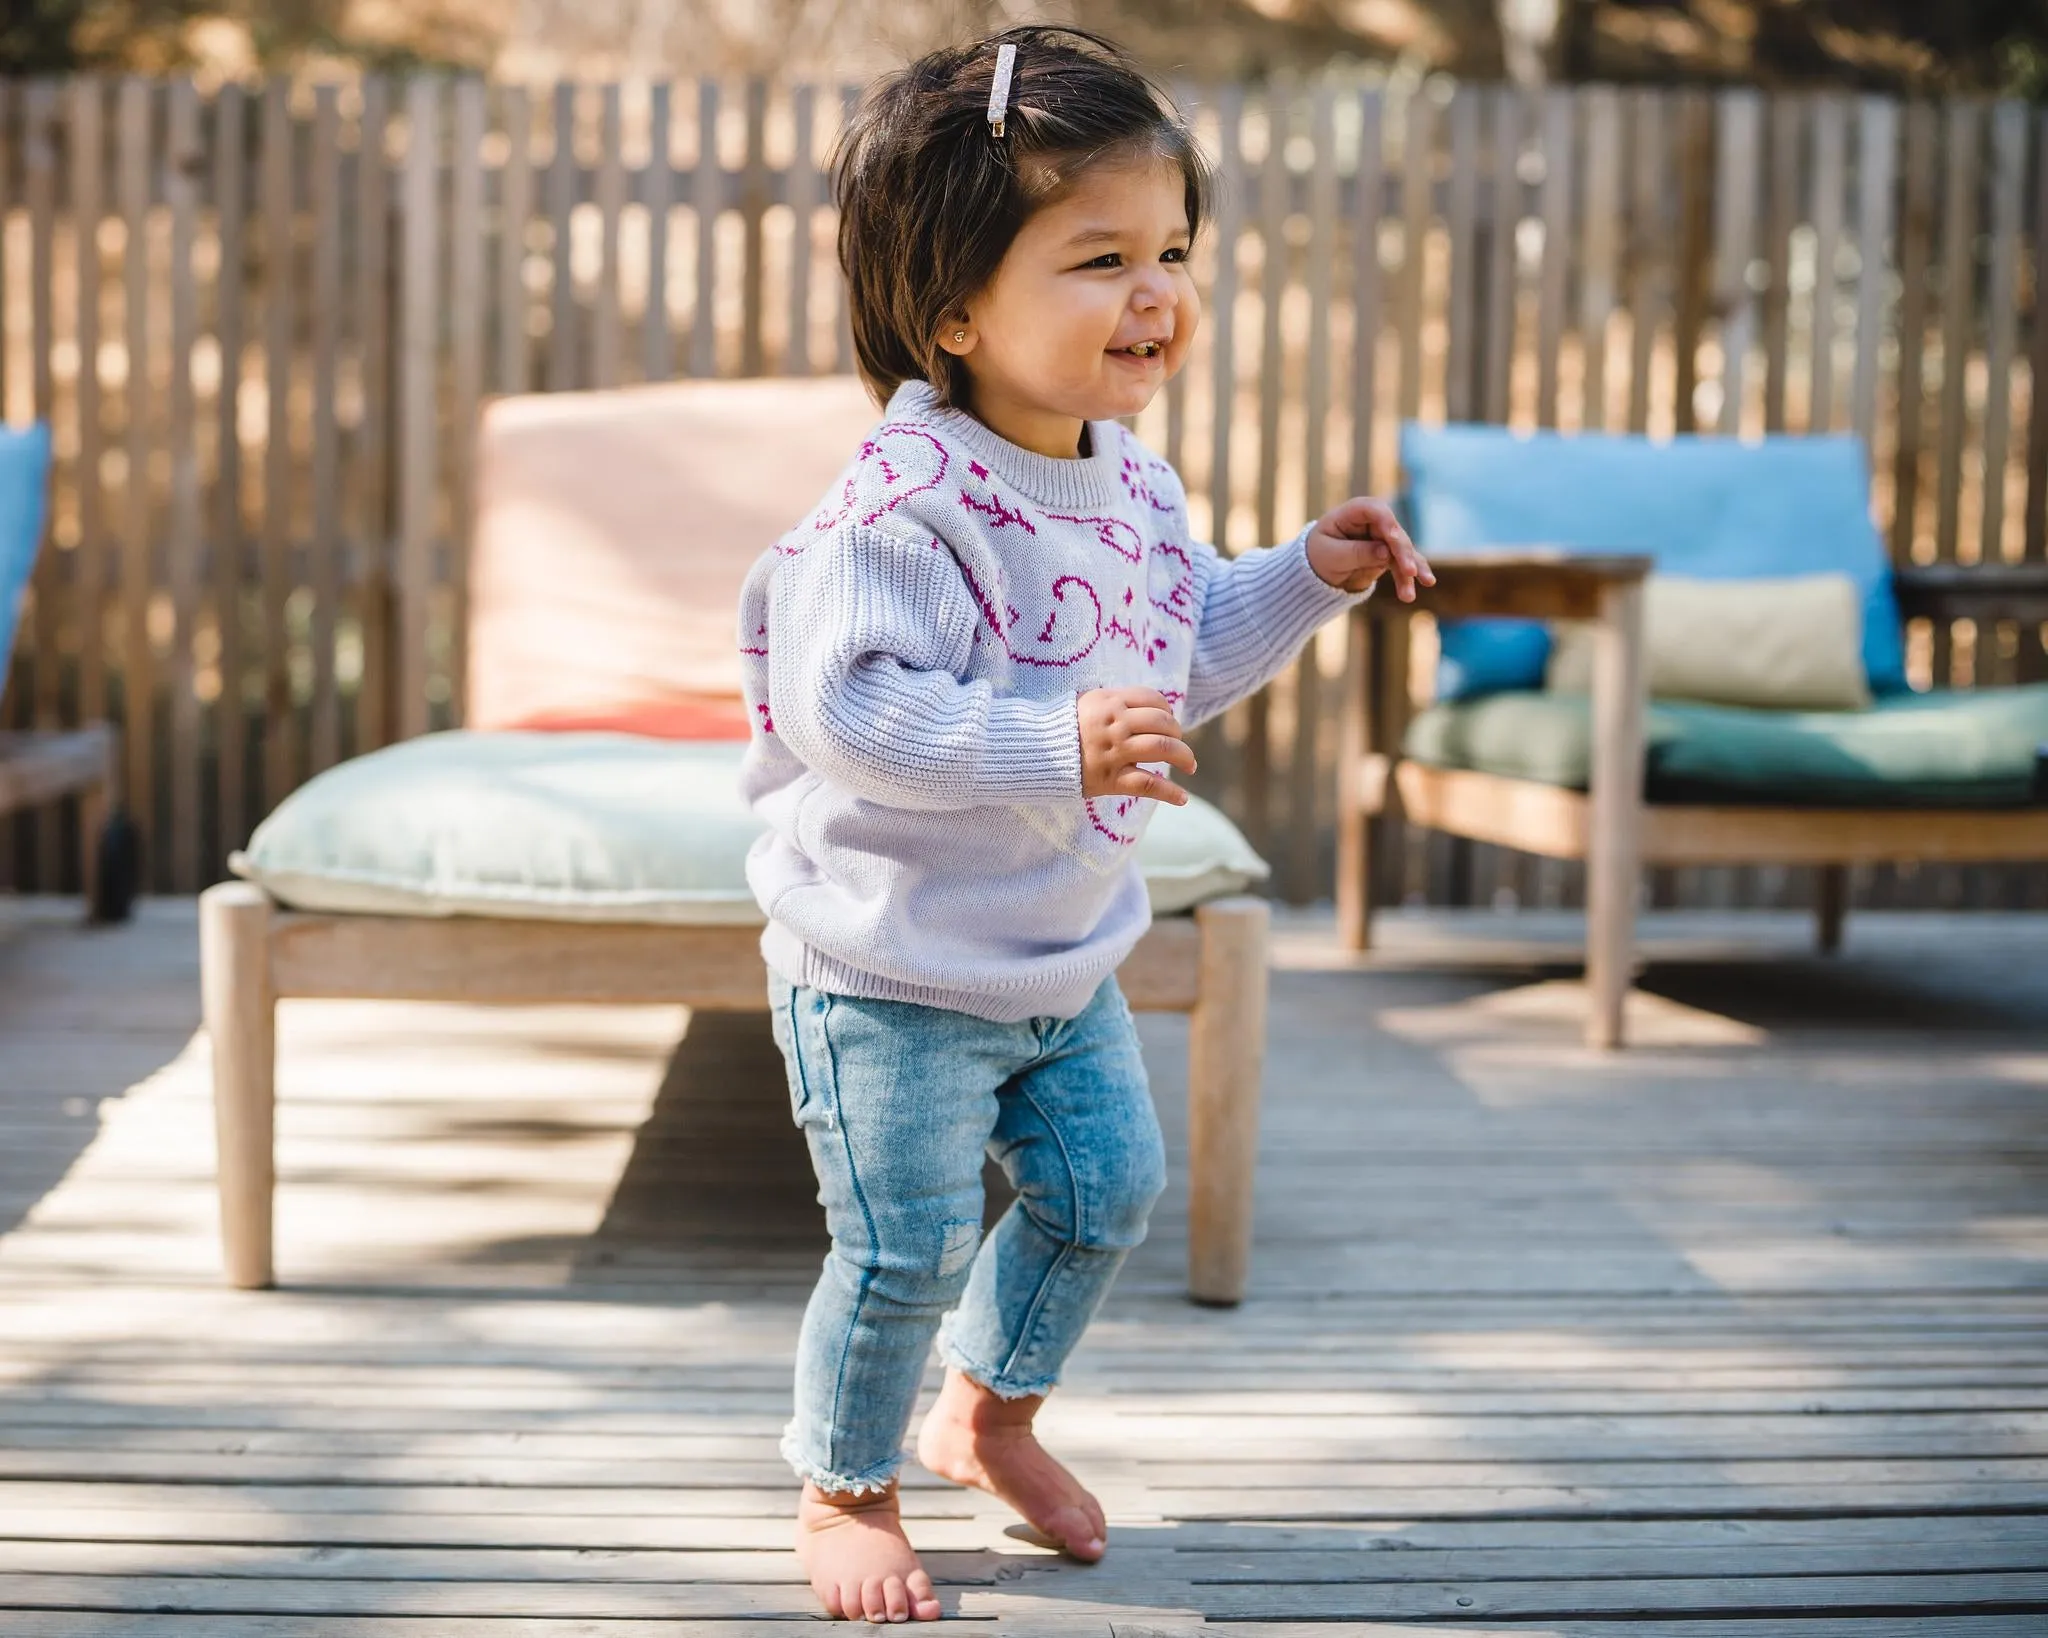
(1062, 992)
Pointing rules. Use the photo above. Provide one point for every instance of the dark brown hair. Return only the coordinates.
(930, 198)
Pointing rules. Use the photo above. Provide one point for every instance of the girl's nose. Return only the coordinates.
(1155, 293)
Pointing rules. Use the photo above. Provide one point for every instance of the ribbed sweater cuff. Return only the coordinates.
(1034, 750)
(1281, 593)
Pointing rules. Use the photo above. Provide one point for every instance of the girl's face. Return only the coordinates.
(1090, 312)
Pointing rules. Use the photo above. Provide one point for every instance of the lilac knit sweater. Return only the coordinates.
(913, 650)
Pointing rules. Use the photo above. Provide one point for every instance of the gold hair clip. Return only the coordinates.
(999, 91)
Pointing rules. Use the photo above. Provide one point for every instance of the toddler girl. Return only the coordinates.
(971, 668)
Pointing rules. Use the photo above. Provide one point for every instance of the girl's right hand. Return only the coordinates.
(1123, 728)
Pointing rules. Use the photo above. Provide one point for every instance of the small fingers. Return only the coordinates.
(1149, 721)
(1159, 748)
(1137, 782)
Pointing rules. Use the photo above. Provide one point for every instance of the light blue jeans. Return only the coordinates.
(899, 1102)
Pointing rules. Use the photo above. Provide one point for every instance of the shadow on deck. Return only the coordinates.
(1741, 1331)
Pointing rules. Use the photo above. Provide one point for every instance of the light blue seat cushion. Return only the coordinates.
(1710, 508)
(24, 481)
(589, 827)
(1966, 748)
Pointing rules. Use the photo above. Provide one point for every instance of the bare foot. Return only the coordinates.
(859, 1560)
(974, 1438)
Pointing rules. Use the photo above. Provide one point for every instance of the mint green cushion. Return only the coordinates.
(589, 827)
(1962, 749)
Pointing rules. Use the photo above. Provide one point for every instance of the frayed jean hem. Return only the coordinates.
(1003, 1387)
(873, 1482)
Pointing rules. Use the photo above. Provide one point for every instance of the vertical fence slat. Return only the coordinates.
(1417, 156)
(370, 455)
(466, 355)
(1600, 246)
(1365, 287)
(753, 205)
(707, 189)
(1830, 190)
(182, 524)
(2001, 313)
(515, 211)
(1223, 298)
(279, 248)
(138, 693)
(1498, 364)
(1692, 295)
(657, 344)
(1916, 239)
(1322, 230)
(324, 174)
(89, 582)
(1259, 759)
(45, 695)
(562, 361)
(1877, 144)
(1650, 172)
(803, 211)
(1735, 187)
(2037, 374)
(1557, 210)
(611, 204)
(230, 721)
(1462, 217)
(842, 325)
(418, 418)
(1958, 290)
(1786, 126)
(1311, 774)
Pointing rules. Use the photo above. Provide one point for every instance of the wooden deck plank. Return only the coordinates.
(1743, 1331)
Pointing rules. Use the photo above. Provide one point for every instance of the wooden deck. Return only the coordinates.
(1739, 1333)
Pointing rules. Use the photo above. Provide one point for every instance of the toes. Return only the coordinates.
(924, 1603)
(1074, 1529)
(896, 1599)
(874, 1600)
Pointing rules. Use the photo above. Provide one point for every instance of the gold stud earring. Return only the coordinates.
(959, 335)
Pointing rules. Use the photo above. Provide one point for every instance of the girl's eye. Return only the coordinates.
(1177, 254)
(1109, 258)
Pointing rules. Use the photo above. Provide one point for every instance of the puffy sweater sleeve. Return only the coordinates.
(868, 639)
(1257, 611)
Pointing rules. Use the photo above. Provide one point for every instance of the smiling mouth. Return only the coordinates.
(1144, 349)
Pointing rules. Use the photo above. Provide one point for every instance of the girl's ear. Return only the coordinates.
(957, 336)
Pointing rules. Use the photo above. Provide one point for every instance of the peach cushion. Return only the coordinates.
(613, 532)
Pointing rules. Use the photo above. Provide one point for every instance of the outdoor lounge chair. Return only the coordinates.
(45, 764)
(541, 856)
(1557, 527)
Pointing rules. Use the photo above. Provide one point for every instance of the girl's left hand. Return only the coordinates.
(1352, 545)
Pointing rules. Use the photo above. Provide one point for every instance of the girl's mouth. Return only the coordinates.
(1143, 349)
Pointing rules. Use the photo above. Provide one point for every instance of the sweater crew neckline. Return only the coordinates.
(1080, 480)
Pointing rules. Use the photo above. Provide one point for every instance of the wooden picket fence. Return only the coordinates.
(261, 319)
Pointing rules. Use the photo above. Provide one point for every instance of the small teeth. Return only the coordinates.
(1144, 349)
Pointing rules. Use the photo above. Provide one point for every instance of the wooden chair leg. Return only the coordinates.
(1226, 1057)
(1830, 907)
(1613, 846)
(241, 1011)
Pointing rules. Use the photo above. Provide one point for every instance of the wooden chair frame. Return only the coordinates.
(1210, 965)
(41, 765)
(1609, 825)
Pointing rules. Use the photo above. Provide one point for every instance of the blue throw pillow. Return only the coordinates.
(1490, 657)
(24, 481)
